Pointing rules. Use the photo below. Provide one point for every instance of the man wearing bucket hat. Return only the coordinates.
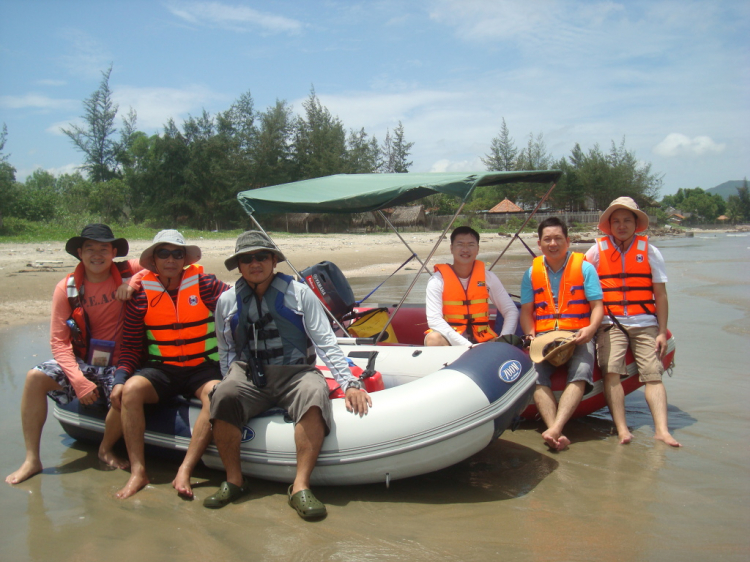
(168, 349)
(561, 309)
(634, 279)
(269, 329)
(85, 342)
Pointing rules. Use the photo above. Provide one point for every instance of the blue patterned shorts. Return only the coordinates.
(102, 377)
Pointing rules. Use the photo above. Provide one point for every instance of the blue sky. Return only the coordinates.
(672, 77)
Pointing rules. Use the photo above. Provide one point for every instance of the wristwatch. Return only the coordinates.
(357, 385)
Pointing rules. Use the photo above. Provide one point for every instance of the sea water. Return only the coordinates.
(515, 500)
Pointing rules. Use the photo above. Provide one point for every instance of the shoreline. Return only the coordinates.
(30, 271)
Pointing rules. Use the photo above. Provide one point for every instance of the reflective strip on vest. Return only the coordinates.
(464, 308)
(626, 278)
(572, 312)
(183, 335)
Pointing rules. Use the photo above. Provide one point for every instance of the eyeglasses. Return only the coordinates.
(163, 253)
(260, 257)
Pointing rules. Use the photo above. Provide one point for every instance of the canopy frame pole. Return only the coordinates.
(423, 268)
(390, 224)
(297, 273)
(538, 205)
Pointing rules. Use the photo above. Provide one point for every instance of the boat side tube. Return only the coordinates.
(419, 427)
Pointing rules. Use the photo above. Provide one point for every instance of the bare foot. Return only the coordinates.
(27, 470)
(551, 439)
(668, 439)
(110, 459)
(135, 483)
(181, 483)
(626, 438)
(562, 443)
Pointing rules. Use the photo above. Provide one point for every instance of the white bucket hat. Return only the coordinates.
(192, 253)
(623, 203)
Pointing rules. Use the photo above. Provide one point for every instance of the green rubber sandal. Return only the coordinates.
(306, 504)
(227, 493)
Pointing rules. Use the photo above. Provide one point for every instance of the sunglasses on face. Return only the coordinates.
(260, 257)
(163, 253)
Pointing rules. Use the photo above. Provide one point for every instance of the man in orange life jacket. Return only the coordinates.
(84, 336)
(561, 291)
(634, 280)
(457, 297)
(173, 315)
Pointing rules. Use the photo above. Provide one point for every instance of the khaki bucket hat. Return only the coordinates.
(556, 347)
(623, 203)
(252, 241)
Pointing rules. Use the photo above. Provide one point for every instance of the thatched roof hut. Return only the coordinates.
(412, 216)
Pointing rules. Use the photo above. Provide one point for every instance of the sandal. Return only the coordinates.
(227, 493)
(306, 504)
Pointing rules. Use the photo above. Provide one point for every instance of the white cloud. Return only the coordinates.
(87, 57)
(154, 106)
(676, 144)
(34, 101)
(447, 165)
(50, 82)
(234, 17)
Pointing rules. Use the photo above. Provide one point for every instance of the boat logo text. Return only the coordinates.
(509, 371)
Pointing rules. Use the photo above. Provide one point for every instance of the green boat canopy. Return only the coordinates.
(359, 193)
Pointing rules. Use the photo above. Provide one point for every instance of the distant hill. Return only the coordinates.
(726, 189)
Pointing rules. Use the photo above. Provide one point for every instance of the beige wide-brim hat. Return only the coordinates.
(623, 203)
(249, 242)
(556, 347)
(192, 253)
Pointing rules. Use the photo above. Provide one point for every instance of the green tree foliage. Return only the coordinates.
(738, 206)
(503, 152)
(395, 152)
(8, 186)
(319, 142)
(702, 204)
(362, 155)
(37, 198)
(96, 140)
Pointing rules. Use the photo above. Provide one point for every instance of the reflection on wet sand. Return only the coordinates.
(515, 499)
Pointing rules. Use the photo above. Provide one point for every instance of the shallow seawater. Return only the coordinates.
(515, 500)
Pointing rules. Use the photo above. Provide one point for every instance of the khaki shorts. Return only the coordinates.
(612, 345)
(295, 388)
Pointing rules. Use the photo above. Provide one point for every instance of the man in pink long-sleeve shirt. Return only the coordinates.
(87, 308)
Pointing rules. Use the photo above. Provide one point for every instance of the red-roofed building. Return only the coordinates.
(506, 206)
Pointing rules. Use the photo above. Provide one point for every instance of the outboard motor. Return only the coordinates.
(332, 288)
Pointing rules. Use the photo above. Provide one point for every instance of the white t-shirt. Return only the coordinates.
(658, 275)
(498, 295)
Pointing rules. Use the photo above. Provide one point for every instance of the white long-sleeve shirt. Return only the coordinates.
(498, 295)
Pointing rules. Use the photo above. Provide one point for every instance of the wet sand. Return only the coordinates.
(515, 500)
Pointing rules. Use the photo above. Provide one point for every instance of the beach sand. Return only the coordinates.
(29, 272)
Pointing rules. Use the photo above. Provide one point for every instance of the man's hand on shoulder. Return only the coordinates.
(115, 397)
(124, 292)
(357, 401)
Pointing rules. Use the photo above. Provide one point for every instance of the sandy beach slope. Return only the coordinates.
(29, 272)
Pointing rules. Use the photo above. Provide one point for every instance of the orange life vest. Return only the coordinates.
(468, 308)
(573, 310)
(626, 278)
(80, 329)
(185, 335)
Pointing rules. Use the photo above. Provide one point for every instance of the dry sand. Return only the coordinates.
(29, 272)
